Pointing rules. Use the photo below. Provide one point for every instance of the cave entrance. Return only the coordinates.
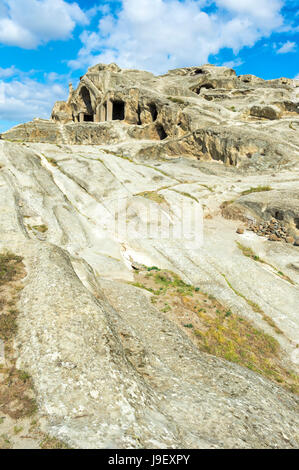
(88, 117)
(161, 132)
(153, 111)
(207, 86)
(85, 95)
(118, 112)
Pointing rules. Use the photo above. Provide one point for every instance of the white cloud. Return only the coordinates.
(263, 9)
(22, 100)
(8, 72)
(161, 34)
(233, 63)
(287, 47)
(28, 23)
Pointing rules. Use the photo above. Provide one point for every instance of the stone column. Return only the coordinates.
(96, 116)
(81, 117)
(103, 112)
(109, 110)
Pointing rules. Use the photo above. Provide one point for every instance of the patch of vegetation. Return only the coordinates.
(167, 308)
(16, 391)
(4, 442)
(52, 443)
(9, 267)
(153, 196)
(215, 329)
(52, 161)
(226, 203)
(16, 395)
(8, 325)
(17, 429)
(255, 307)
(149, 289)
(209, 188)
(168, 279)
(153, 268)
(250, 254)
(115, 154)
(40, 228)
(257, 189)
(183, 193)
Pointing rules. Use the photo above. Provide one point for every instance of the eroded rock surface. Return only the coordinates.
(207, 113)
(109, 368)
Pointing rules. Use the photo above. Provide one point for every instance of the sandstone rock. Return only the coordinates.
(240, 230)
(290, 239)
(267, 112)
(284, 204)
(274, 238)
(171, 112)
(109, 369)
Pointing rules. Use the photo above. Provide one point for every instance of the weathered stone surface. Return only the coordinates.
(281, 204)
(267, 112)
(207, 113)
(109, 369)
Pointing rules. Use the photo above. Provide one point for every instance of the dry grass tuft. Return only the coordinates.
(257, 189)
(250, 254)
(153, 196)
(16, 392)
(214, 328)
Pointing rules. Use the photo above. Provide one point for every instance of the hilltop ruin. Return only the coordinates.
(206, 113)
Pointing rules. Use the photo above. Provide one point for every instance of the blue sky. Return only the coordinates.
(45, 44)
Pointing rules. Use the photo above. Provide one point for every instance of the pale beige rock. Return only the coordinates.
(109, 369)
(206, 112)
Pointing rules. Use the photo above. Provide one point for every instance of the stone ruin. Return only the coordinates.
(202, 112)
(106, 93)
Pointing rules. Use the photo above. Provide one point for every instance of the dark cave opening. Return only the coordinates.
(118, 110)
(139, 115)
(87, 100)
(208, 86)
(161, 132)
(153, 111)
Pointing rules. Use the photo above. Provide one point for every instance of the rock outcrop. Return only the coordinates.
(113, 362)
(208, 113)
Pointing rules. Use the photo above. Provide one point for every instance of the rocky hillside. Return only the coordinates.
(125, 339)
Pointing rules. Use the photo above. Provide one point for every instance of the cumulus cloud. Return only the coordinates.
(161, 34)
(28, 23)
(233, 63)
(287, 47)
(8, 72)
(263, 9)
(23, 99)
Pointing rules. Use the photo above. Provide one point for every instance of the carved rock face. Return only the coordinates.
(205, 112)
(117, 359)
